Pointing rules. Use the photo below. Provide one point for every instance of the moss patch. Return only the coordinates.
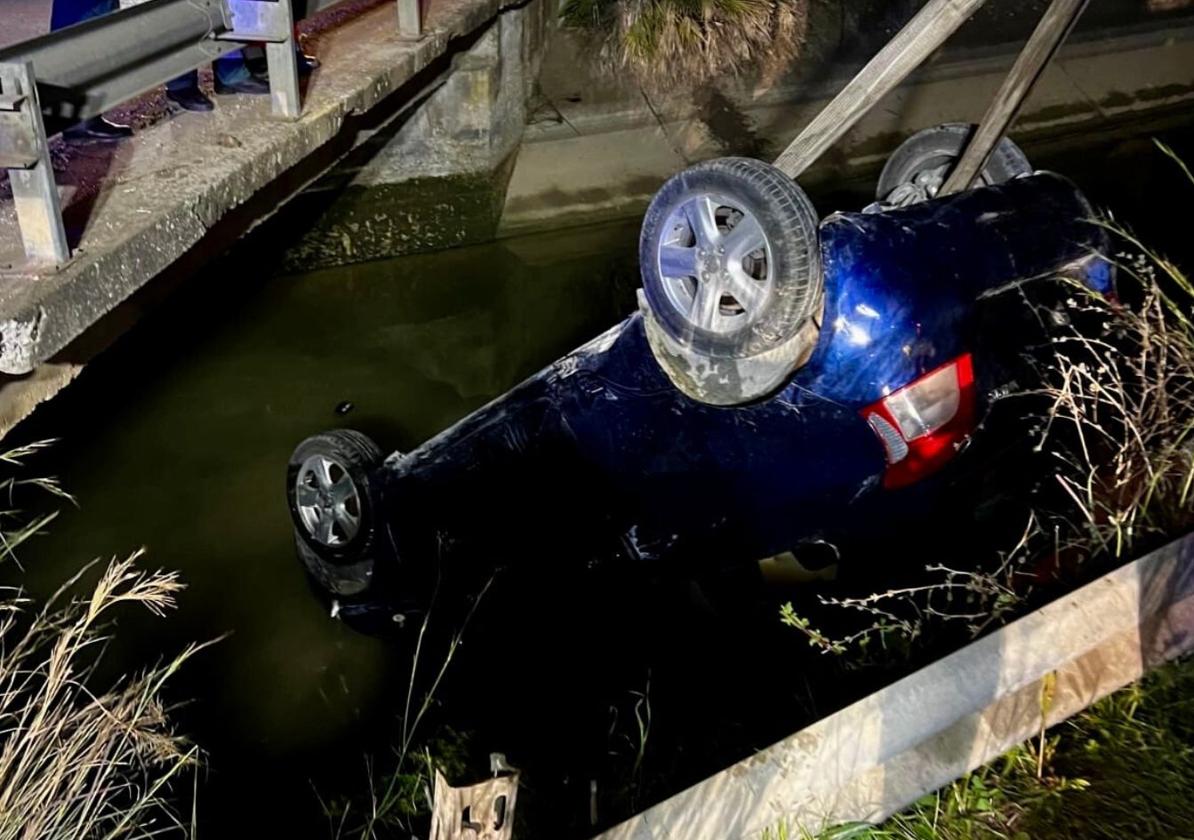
(392, 220)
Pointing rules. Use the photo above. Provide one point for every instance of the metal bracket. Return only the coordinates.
(271, 22)
(410, 19)
(25, 153)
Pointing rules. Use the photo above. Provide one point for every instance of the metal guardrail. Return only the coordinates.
(56, 80)
(89, 68)
(872, 758)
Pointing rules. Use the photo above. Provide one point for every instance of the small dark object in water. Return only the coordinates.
(344, 407)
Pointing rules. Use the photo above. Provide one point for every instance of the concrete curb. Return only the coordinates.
(873, 758)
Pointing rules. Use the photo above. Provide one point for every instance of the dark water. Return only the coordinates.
(178, 438)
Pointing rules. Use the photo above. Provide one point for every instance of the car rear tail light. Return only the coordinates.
(925, 423)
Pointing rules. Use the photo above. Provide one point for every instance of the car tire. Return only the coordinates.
(336, 579)
(328, 494)
(921, 164)
(729, 256)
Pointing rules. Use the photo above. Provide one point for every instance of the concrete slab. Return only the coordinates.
(874, 757)
(24, 19)
(136, 207)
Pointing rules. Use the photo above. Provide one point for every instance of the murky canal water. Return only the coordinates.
(178, 438)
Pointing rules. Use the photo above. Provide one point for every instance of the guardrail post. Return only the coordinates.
(25, 153)
(410, 19)
(271, 22)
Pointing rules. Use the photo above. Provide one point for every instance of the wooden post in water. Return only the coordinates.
(1048, 36)
(922, 35)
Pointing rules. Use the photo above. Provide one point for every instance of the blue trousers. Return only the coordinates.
(67, 12)
(229, 69)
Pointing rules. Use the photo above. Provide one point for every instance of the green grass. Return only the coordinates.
(1122, 769)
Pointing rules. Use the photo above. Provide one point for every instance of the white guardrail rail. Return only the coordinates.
(871, 759)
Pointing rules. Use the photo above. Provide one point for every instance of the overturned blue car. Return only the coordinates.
(787, 382)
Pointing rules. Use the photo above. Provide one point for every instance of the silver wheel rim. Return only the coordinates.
(924, 184)
(329, 504)
(927, 181)
(715, 264)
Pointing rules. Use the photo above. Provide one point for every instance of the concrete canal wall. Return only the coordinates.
(436, 178)
(600, 148)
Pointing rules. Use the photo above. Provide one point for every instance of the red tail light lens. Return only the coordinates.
(925, 423)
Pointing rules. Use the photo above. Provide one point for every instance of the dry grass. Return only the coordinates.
(664, 42)
(1120, 404)
(78, 760)
(1116, 418)
(76, 763)
(1123, 405)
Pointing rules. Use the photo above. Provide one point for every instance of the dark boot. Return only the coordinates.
(250, 84)
(307, 64)
(97, 128)
(190, 99)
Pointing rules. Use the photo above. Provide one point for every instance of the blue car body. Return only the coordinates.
(600, 452)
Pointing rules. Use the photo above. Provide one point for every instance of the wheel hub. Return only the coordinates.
(713, 266)
(715, 263)
(327, 501)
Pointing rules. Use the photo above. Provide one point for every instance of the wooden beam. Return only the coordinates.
(1048, 36)
(922, 35)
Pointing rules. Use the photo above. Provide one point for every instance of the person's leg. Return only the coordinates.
(185, 92)
(233, 76)
(184, 83)
(65, 13)
(255, 60)
(230, 69)
(254, 56)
